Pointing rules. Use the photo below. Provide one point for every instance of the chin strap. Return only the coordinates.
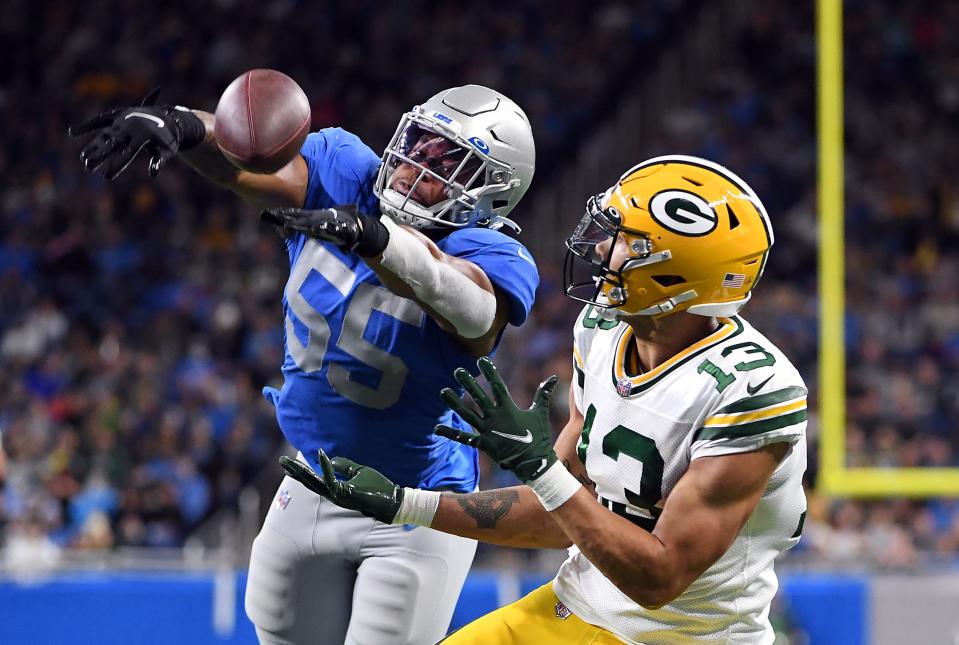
(487, 219)
(609, 313)
(665, 306)
(652, 258)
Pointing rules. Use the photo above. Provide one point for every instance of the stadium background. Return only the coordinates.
(139, 319)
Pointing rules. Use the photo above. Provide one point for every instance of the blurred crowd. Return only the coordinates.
(140, 319)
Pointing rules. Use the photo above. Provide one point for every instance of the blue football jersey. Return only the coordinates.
(364, 366)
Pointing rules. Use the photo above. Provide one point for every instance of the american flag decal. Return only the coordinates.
(734, 280)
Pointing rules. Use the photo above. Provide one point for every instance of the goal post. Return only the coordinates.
(835, 478)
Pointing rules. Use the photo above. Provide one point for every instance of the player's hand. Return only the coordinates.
(365, 489)
(339, 225)
(123, 132)
(348, 229)
(518, 440)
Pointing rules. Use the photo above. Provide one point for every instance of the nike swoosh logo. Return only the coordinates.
(149, 117)
(527, 438)
(523, 254)
(752, 390)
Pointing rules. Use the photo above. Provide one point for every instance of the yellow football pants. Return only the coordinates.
(536, 619)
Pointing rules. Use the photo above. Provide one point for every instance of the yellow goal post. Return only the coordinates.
(835, 478)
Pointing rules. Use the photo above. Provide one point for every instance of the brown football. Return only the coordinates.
(262, 119)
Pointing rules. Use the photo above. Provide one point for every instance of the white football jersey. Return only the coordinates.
(731, 392)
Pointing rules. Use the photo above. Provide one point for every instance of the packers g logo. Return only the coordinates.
(683, 212)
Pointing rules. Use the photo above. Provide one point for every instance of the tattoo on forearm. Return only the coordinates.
(487, 507)
(583, 479)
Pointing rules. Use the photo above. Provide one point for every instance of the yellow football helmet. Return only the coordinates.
(697, 239)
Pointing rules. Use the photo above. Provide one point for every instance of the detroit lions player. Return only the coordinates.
(378, 310)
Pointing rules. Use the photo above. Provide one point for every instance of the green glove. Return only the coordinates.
(365, 490)
(518, 440)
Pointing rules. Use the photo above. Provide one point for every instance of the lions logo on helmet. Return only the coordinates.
(685, 234)
(476, 143)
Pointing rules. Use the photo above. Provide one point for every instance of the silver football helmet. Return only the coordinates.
(476, 142)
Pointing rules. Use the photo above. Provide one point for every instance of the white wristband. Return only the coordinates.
(555, 486)
(418, 507)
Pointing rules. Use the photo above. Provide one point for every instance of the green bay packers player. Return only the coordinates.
(677, 480)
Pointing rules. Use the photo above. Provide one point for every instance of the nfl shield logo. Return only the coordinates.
(623, 387)
(562, 611)
(283, 500)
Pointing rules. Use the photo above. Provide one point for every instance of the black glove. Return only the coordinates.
(122, 133)
(341, 225)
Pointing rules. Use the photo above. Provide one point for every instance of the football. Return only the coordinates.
(262, 119)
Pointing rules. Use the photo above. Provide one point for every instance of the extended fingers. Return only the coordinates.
(118, 162)
(496, 383)
(151, 98)
(464, 378)
(544, 392)
(345, 467)
(329, 476)
(98, 150)
(291, 466)
(99, 121)
(294, 218)
(460, 407)
(272, 216)
(304, 474)
(159, 160)
(460, 436)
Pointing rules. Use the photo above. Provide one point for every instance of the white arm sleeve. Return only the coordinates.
(460, 301)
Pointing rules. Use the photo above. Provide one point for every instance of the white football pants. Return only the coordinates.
(324, 575)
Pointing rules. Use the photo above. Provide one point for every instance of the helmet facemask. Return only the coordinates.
(702, 241)
(589, 277)
(433, 151)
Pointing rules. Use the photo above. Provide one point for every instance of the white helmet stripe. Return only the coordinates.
(728, 174)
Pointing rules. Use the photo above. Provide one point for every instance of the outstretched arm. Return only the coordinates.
(455, 292)
(514, 516)
(505, 516)
(162, 132)
(286, 187)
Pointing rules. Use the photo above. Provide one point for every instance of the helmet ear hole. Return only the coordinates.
(668, 280)
(733, 220)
